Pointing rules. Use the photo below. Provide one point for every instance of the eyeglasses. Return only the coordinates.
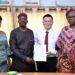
(70, 16)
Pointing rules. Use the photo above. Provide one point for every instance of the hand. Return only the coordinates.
(9, 62)
(48, 54)
(29, 60)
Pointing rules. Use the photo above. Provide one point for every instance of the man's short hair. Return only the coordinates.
(48, 15)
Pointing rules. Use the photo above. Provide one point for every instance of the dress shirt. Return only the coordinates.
(52, 38)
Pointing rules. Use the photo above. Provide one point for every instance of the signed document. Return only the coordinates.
(39, 52)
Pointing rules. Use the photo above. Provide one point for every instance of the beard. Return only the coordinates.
(23, 25)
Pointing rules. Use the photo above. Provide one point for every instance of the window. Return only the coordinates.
(4, 1)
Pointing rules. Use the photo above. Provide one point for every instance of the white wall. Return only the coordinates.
(66, 2)
(18, 2)
(46, 2)
(43, 2)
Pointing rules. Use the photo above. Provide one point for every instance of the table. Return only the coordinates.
(39, 73)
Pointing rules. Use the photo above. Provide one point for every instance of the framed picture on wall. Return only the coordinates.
(32, 2)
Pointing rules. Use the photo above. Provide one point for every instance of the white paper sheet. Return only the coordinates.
(39, 52)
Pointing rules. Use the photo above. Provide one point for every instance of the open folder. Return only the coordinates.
(40, 53)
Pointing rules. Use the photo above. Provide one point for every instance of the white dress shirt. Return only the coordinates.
(52, 37)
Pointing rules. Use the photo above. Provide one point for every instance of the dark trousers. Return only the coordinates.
(49, 66)
(19, 66)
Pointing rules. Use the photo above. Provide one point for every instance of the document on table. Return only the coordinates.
(40, 53)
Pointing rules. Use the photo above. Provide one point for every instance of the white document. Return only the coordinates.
(40, 53)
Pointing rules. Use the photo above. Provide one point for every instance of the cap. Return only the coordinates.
(22, 14)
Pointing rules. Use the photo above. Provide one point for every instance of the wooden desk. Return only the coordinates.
(35, 73)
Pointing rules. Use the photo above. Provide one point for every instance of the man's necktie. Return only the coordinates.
(46, 41)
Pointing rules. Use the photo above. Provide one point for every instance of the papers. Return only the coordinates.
(39, 52)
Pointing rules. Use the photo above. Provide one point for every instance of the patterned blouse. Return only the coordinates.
(4, 50)
(66, 44)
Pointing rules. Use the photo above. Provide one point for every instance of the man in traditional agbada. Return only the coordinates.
(21, 44)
